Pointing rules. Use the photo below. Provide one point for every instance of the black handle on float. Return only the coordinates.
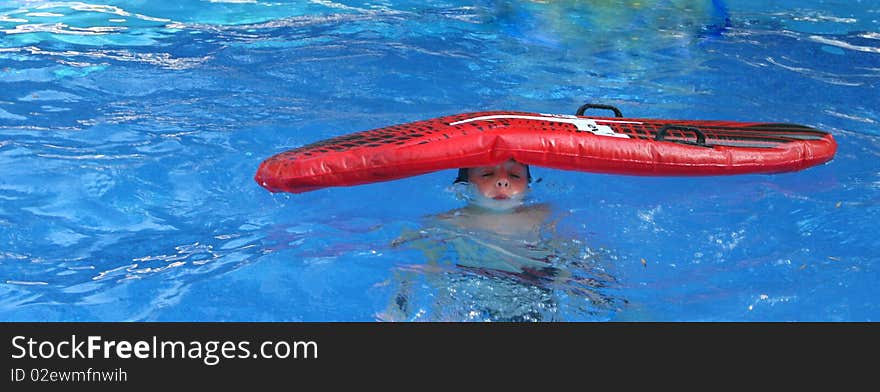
(701, 137)
(584, 107)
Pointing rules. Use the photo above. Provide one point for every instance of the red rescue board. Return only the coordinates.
(613, 145)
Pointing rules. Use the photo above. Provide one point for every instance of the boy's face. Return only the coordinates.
(508, 180)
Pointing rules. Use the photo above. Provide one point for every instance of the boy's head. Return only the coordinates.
(501, 185)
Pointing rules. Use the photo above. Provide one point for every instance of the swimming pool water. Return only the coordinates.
(130, 132)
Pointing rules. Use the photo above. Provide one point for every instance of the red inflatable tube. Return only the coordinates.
(591, 144)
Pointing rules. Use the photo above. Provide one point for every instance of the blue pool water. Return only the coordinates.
(130, 132)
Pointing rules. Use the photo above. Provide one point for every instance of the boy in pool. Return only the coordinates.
(496, 200)
(505, 183)
(488, 258)
(496, 205)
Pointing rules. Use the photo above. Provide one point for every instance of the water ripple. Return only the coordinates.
(815, 74)
(164, 60)
(290, 22)
(92, 156)
(843, 44)
(26, 283)
(853, 117)
(92, 22)
(61, 28)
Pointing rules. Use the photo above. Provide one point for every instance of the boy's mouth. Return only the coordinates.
(500, 197)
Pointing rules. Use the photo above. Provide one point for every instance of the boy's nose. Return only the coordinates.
(503, 183)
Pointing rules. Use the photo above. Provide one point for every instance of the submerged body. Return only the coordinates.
(496, 259)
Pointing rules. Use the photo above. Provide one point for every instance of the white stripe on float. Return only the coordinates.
(582, 124)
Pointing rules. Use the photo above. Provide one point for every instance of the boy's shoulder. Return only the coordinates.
(538, 209)
(523, 219)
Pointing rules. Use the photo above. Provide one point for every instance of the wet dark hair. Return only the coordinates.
(463, 175)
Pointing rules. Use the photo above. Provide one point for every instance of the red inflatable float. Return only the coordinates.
(613, 145)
